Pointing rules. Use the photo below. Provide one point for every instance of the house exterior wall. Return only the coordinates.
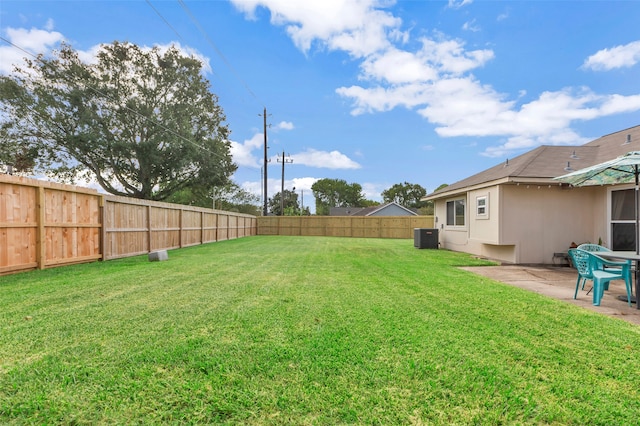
(484, 227)
(526, 224)
(540, 221)
(454, 238)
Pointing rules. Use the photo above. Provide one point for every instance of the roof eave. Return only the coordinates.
(443, 193)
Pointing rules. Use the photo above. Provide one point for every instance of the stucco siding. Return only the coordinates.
(527, 224)
(484, 225)
(596, 206)
(541, 221)
(454, 238)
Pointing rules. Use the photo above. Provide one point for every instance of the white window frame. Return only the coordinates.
(610, 220)
(482, 207)
(456, 203)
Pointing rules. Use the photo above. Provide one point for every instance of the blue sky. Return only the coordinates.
(377, 92)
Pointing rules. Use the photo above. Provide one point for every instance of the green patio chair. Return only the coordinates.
(592, 247)
(595, 248)
(602, 276)
(580, 261)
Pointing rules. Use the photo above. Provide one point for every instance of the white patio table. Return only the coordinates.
(626, 255)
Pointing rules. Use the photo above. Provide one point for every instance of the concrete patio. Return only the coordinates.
(560, 283)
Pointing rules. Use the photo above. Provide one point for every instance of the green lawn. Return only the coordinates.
(297, 330)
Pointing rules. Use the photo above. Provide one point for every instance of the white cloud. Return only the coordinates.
(284, 125)
(89, 56)
(434, 60)
(380, 99)
(396, 66)
(436, 79)
(456, 4)
(358, 27)
(304, 184)
(464, 107)
(373, 191)
(624, 56)
(548, 119)
(34, 41)
(257, 188)
(243, 155)
(253, 187)
(324, 159)
(242, 152)
(471, 26)
(49, 26)
(449, 56)
(617, 104)
(41, 41)
(523, 142)
(437, 83)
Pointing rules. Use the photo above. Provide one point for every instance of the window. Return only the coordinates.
(623, 226)
(455, 213)
(482, 207)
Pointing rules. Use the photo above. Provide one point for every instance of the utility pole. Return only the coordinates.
(284, 160)
(265, 210)
(301, 201)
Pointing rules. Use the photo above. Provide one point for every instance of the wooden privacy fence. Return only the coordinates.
(45, 224)
(133, 227)
(344, 226)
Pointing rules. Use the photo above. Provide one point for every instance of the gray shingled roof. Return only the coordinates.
(547, 162)
(369, 211)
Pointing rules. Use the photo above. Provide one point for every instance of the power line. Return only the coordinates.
(208, 39)
(234, 72)
(167, 23)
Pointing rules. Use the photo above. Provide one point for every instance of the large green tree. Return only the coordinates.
(142, 122)
(336, 193)
(15, 156)
(406, 194)
(290, 203)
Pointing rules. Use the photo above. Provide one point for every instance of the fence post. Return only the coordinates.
(181, 226)
(217, 236)
(103, 227)
(41, 234)
(148, 228)
(201, 227)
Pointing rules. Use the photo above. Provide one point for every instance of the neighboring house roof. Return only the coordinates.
(344, 211)
(544, 163)
(364, 211)
(394, 208)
